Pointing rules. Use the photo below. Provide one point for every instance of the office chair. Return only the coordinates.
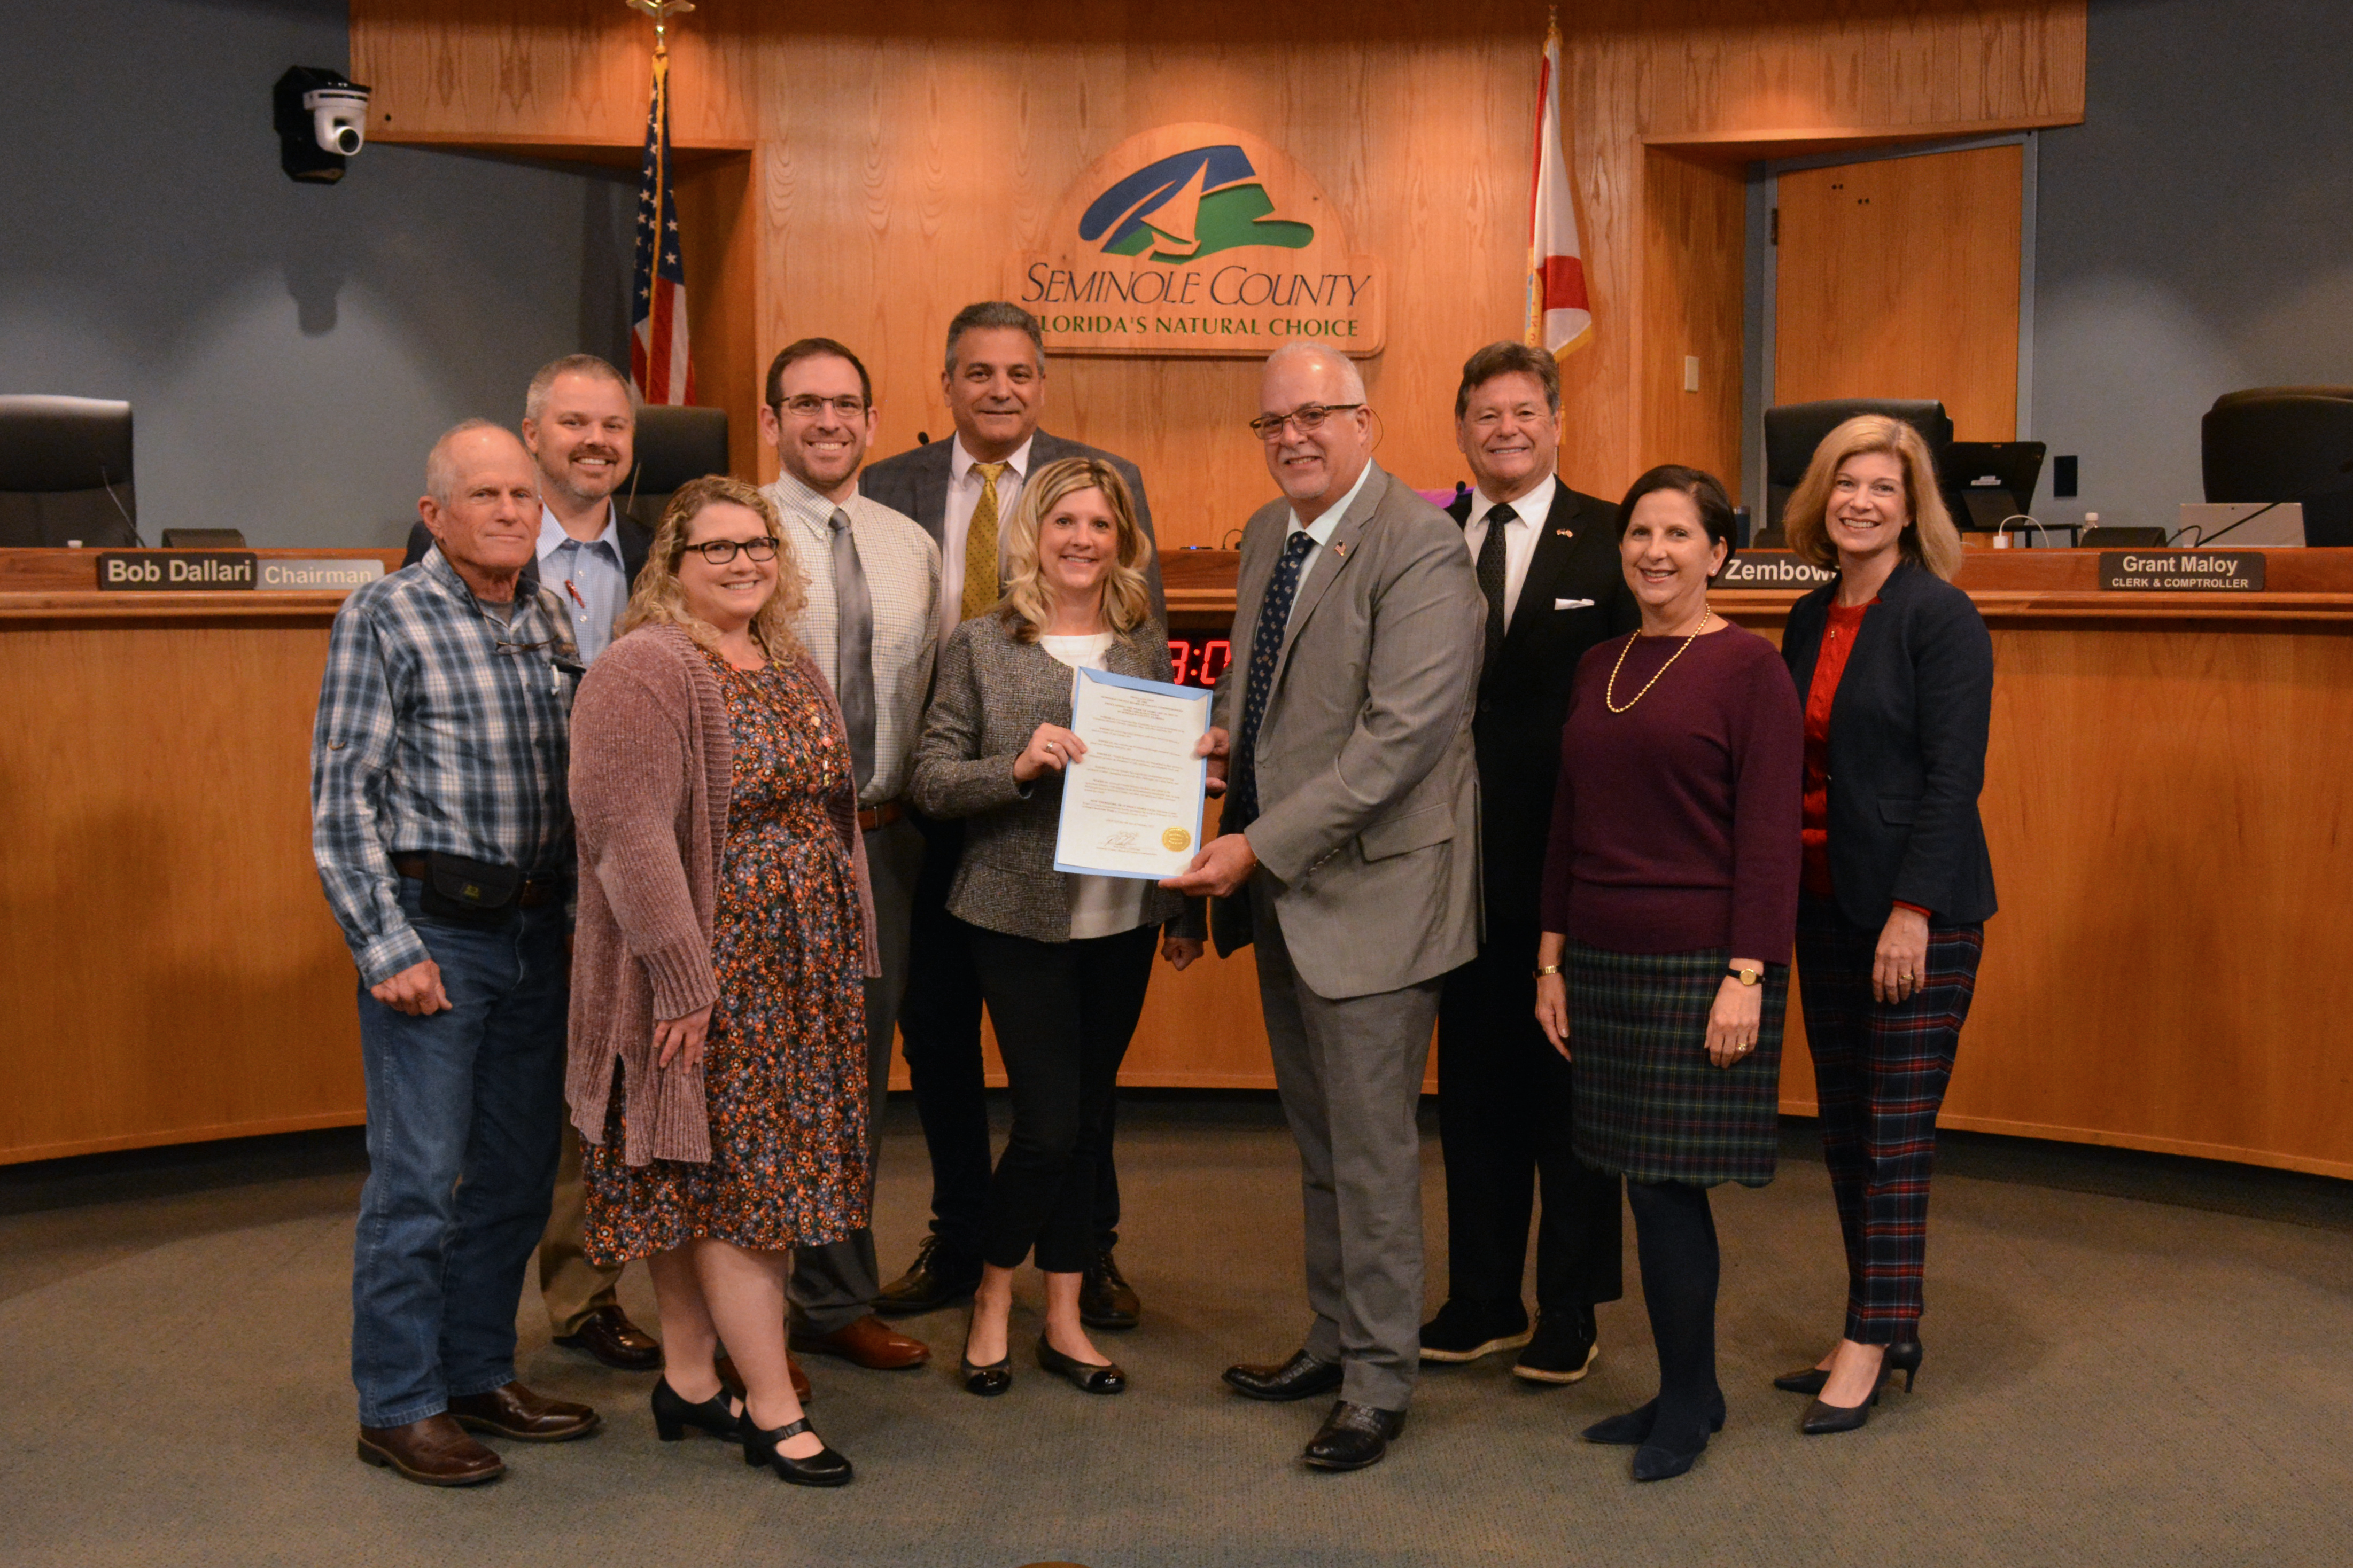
(1793, 430)
(673, 445)
(65, 472)
(2285, 443)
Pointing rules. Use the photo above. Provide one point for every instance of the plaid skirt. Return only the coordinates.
(1650, 1107)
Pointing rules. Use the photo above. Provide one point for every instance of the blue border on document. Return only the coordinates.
(1207, 700)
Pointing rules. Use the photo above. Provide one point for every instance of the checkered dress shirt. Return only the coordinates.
(441, 726)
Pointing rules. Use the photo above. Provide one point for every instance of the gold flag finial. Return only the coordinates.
(662, 11)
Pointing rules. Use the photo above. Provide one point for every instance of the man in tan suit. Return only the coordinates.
(1348, 852)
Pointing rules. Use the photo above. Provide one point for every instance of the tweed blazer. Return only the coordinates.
(1369, 792)
(653, 757)
(990, 695)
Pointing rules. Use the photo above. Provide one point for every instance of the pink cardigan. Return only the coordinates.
(652, 768)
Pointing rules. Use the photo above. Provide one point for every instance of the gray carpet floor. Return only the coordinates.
(2131, 1360)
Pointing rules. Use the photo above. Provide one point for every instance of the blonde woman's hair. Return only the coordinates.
(1027, 604)
(1929, 538)
(657, 600)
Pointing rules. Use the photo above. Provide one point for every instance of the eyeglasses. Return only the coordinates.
(1308, 416)
(720, 552)
(809, 407)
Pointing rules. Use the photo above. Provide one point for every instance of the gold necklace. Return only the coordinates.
(1609, 689)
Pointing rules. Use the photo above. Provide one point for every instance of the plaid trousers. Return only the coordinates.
(1882, 1072)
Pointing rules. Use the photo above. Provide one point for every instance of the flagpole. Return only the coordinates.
(1532, 325)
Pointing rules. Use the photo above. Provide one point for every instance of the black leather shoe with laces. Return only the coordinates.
(1105, 1300)
(934, 1279)
(1353, 1436)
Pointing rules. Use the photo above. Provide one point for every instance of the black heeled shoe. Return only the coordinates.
(1088, 1377)
(823, 1468)
(673, 1415)
(1905, 1357)
(1633, 1429)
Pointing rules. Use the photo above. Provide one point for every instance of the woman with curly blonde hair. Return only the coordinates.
(718, 1054)
(1063, 960)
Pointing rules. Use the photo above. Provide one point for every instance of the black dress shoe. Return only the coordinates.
(987, 1379)
(1633, 1428)
(673, 1415)
(1090, 1377)
(1805, 1380)
(1353, 1436)
(1105, 1300)
(1903, 1356)
(935, 1278)
(1822, 1419)
(607, 1334)
(1301, 1377)
(823, 1468)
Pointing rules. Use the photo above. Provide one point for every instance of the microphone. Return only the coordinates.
(923, 437)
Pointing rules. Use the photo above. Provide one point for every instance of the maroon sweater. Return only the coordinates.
(1675, 824)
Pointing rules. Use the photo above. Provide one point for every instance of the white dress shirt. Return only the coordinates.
(1321, 532)
(587, 575)
(964, 495)
(902, 583)
(1520, 535)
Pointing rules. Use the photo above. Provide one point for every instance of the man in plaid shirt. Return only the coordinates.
(444, 840)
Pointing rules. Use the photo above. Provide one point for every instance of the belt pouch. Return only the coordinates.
(471, 892)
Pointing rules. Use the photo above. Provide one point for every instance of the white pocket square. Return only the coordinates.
(1572, 604)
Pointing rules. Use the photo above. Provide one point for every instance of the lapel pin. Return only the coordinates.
(1340, 547)
(1565, 532)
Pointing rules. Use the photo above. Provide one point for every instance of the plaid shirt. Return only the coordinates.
(441, 727)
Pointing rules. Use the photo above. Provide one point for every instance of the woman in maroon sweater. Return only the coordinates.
(1670, 902)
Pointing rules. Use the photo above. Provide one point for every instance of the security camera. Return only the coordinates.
(322, 119)
(338, 118)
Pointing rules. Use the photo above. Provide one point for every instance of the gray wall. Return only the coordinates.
(2195, 237)
(289, 351)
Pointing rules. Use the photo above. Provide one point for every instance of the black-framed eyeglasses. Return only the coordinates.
(1308, 416)
(720, 552)
(807, 407)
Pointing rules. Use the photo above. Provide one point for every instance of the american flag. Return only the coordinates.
(658, 352)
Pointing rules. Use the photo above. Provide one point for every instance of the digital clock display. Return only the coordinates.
(1197, 659)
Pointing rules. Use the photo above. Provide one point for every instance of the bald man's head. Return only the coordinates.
(1323, 436)
(482, 505)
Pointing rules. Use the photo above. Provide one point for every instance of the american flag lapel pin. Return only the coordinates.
(1340, 548)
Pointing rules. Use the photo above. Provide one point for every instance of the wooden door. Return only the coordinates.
(1899, 278)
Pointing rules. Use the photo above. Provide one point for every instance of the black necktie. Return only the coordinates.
(1266, 647)
(853, 645)
(1491, 582)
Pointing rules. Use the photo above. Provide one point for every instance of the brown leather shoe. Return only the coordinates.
(515, 1411)
(433, 1452)
(733, 1381)
(869, 1342)
(607, 1334)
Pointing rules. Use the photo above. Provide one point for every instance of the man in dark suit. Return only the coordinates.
(1546, 559)
(579, 422)
(962, 491)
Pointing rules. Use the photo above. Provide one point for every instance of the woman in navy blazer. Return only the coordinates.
(1896, 670)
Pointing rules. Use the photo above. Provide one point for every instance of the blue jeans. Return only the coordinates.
(465, 1117)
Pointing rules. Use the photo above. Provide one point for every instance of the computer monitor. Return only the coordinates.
(2285, 443)
(1992, 480)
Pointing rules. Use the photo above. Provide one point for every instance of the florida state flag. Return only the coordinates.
(1559, 317)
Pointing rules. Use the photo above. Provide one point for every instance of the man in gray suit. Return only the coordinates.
(962, 491)
(1349, 853)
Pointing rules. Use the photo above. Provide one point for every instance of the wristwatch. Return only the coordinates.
(1547, 969)
(1746, 973)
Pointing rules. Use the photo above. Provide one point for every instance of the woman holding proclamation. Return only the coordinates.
(718, 1064)
(1669, 893)
(1063, 960)
(1895, 671)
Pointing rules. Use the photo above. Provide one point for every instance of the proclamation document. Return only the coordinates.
(1132, 805)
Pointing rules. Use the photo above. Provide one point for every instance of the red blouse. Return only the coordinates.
(1829, 666)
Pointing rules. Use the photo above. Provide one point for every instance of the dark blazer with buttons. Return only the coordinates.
(917, 482)
(1523, 697)
(990, 695)
(1907, 747)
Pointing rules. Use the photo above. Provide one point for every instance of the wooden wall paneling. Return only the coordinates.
(171, 970)
(718, 215)
(1899, 278)
(1694, 223)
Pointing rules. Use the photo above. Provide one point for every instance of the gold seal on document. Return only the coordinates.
(1177, 838)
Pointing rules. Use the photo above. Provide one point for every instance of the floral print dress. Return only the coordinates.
(784, 1062)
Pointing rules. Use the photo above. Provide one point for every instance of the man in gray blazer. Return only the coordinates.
(1349, 853)
(960, 489)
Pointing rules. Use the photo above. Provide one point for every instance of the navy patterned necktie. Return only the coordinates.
(1266, 647)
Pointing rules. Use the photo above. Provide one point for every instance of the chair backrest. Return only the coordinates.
(1793, 430)
(64, 471)
(2284, 443)
(673, 445)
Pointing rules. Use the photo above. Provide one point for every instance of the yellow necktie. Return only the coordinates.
(980, 545)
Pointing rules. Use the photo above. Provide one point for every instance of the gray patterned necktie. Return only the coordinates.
(853, 646)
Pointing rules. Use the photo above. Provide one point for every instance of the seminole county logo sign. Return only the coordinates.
(1199, 240)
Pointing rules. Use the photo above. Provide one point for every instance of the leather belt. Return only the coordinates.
(537, 892)
(871, 817)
